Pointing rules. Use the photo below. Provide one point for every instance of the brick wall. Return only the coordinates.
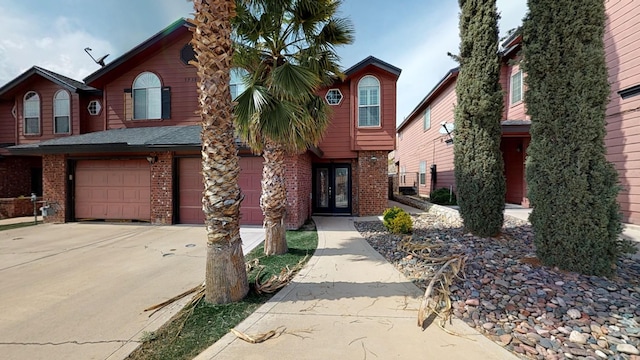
(16, 207)
(298, 180)
(162, 189)
(54, 183)
(15, 175)
(372, 182)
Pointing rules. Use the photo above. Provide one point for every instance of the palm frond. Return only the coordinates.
(290, 82)
(337, 31)
(288, 48)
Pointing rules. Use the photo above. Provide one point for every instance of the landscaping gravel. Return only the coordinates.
(534, 311)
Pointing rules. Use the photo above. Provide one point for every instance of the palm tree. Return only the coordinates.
(226, 277)
(287, 48)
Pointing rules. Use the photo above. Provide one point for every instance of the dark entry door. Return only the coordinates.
(332, 188)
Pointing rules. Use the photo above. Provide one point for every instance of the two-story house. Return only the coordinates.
(129, 147)
(422, 139)
(425, 138)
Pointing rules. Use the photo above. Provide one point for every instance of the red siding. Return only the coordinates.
(7, 123)
(622, 47)
(336, 143)
(382, 138)
(515, 111)
(343, 139)
(173, 73)
(46, 91)
(416, 145)
(90, 123)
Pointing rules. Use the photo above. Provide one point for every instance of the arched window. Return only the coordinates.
(368, 102)
(61, 113)
(236, 85)
(31, 113)
(147, 97)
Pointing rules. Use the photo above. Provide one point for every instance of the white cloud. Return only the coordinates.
(56, 44)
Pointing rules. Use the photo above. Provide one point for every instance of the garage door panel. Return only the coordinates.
(190, 190)
(113, 189)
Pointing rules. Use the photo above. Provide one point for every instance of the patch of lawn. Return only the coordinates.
(16, 226)
(195, 328)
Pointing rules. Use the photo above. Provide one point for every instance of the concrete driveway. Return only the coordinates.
(78, 291)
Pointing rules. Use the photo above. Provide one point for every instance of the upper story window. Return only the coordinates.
(516, 87)
(368, 102)
(31, 113)
(426, 120)
(333, 97)
(61, 112)
(147, 97)
(236, 85)
(94, 107)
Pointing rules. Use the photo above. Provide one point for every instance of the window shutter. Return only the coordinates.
(128, 105)
(166, 102)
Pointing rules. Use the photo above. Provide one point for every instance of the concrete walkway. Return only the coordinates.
(350, 303)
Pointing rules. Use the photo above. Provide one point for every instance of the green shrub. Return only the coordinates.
(441, 196)
(390, 214)
(397, 220)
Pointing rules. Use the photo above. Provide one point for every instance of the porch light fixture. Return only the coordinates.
(152, 159)
(374, 158)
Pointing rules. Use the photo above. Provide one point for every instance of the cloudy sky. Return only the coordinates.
(414, 35)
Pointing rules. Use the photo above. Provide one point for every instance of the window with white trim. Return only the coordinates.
(426, 119)
(61, 112)
(236, 85)
(403, 175)
(334, 97)
(94, 107)
(516, 87)
(147, 97)
(31, 113)
(368, 102)
(423, 173)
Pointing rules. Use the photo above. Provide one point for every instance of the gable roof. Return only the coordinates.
(150, 43)
(64, 81)
(450, 76)
(371, 60)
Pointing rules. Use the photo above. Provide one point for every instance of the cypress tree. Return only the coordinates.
(572, 187)
(477, 157)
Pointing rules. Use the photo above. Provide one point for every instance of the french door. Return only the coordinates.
(332, 188)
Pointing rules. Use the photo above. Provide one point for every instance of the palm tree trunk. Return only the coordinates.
(226, 277)
(273, 200)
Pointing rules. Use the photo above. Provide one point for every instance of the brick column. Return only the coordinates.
(298, 180)
(162, 189)
(373, 182)
(54, 183)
